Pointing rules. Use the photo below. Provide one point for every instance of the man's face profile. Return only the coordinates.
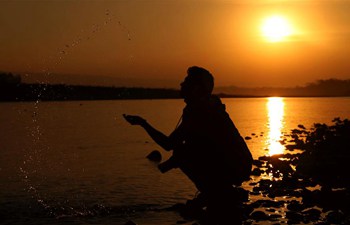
(186, 87)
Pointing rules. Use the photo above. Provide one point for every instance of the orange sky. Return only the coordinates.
(159, 39)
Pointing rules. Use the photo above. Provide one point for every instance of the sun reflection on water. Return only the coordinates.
(275, 108)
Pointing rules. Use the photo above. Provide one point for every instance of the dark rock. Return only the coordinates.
(275, 217)
(257, 189)
(312, 214)
(270, 210)
(301, 126)
(259, 215)
(265, 184)
(258, 163)
(296, 131)
(254, 205)
(130, 223)
(335, 217)
(253, 184)
(254, 193)
(275, 204)
(294, 217)
(269, 203)
(154, 156)
(291, 147)
(295, 206)
(264, 158)
(256, 172)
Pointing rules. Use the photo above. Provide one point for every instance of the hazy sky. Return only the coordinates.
(159, 39)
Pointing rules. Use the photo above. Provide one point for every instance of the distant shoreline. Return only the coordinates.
(13, 89)
(23, 92)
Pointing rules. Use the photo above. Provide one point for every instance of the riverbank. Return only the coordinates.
(298, 187)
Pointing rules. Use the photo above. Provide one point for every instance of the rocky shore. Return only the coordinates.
(307, 185)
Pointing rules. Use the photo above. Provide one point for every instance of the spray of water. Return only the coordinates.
(34, 156)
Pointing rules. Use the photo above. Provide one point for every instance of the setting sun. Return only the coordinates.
(276, 29)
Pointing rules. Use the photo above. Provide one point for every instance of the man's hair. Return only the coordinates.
(201, 77)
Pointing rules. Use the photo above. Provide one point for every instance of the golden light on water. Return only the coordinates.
(275, 108)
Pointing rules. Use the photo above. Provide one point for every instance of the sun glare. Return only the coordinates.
(276, 29)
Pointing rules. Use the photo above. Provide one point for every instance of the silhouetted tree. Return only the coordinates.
(7, 79)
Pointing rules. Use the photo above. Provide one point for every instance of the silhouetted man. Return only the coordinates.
(206, 145)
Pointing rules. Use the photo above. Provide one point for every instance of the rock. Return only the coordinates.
(295, 206)
(256, 172)
(270, 210)
(301, 126)
(258, 163)
(264, 158)
(294, 217)
(312, 214)
(291, 147)
(335, 217)
(254, 193)
(130, 223)
(259, 215)
(154, 156)
(252, 183)
(275, 217)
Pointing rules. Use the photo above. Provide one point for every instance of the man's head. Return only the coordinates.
(198, 84)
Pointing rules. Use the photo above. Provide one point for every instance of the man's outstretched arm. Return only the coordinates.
(156, 135)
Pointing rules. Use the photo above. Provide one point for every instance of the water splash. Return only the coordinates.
(84, 36)
(34, 156)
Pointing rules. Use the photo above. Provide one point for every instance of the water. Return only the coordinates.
(81, 163)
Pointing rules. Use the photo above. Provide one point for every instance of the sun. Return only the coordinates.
(276, 29)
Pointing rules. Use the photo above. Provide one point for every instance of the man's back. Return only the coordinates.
(214, 151)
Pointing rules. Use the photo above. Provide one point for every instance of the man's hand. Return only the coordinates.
(134, 120)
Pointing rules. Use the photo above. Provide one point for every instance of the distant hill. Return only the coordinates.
(320, 88)
(94, 80)
(13, 89)
(60, 92)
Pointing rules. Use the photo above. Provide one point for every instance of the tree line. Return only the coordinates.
(12, 89)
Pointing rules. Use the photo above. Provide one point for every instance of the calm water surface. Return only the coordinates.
(81, 163)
